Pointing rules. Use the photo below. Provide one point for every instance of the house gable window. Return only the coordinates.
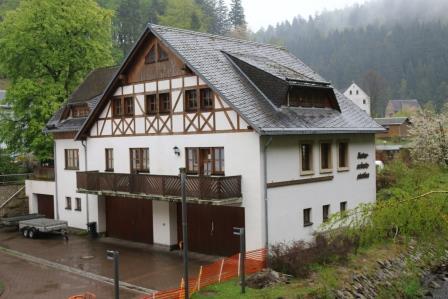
(164, 103)
(68, 203)
(206, 99)
(205, 161)
(325, 157)
(307, 217)
(162, 55)
(306, 158)
(109, 152)
(151, 56)
(72, 159)
(151, 104)
(117, 109)
(203, 102)
(325, 213)
(78, 204)
(191, 100)
(342, 156)
(139, 158)
(129, 106)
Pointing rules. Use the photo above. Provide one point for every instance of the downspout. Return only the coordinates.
(84, 144)
(55, 180)
(265, 182)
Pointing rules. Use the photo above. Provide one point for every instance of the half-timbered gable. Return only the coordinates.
(160, 95)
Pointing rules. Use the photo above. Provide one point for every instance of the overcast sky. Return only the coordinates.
(261, 13)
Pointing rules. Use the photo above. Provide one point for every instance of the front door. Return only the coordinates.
(210, 228)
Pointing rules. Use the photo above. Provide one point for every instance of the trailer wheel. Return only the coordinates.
(25, 232)
(32, 233)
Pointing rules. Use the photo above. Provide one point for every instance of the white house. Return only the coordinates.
(359, 97)
(268, 144)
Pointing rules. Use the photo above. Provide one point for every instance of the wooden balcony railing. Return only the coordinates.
(201, 187)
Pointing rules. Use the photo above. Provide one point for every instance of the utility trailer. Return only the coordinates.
(32, 227)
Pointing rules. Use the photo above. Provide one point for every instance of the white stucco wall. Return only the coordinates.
(66, 180)
(286, 203)
(242, 157)
(33, 187)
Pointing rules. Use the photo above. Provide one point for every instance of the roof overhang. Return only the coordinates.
(309, 131)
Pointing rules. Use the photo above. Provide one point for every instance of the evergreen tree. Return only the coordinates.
(222, 18)
(236, 14)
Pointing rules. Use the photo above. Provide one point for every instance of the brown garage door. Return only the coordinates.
(129, 219)
(210, 228)
(45, 205)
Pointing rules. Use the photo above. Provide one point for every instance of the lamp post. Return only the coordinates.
(183, 178)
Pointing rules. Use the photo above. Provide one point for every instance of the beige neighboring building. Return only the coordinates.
(359, 97)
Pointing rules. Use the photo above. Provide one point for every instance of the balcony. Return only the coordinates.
(199, 189)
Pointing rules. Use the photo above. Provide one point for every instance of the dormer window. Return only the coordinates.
(80, 111)
(309, 97)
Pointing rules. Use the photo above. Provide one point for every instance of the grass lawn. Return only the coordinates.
(323, 280)
(2, 287)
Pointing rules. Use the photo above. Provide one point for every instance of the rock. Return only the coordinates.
(266, 278)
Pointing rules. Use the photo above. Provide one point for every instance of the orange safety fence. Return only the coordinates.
(84, 296)
(219, 271)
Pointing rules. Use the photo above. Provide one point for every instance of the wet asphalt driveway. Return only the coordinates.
(140, 265)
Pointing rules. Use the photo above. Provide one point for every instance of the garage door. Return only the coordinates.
(129, 219)
(45, 205)
(210, 228)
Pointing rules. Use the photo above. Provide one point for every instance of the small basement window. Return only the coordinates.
(78, 204)
(325, 213)
(68, 203)
(307, 217)
(343, 206)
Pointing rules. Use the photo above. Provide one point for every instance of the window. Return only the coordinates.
(325, 212)
(164, 103)
(206, 99)
(192, 160)
(191, 100)
(351, 92)
(307, 217)
(343, 206)
(71, 159)
(364, 102)
(116, 106)
(311, 97)
(139, 160)
(129, 106)
(325, 157)
(109, 159)
(151, 56)
(78, 204)
(306, 158)
(357, 91)
(80, 111)
(151, 104)
(68, 203)
(205, 161)
(218, 157)
(343, 156)
(162, 55)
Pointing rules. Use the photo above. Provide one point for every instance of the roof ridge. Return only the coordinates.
(205, 34)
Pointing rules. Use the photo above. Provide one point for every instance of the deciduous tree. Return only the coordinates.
(46, 49)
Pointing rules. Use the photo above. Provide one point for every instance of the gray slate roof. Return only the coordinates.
(89, 91)
(387, 121)
(205, 54)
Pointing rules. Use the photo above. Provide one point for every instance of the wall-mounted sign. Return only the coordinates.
(362, 165)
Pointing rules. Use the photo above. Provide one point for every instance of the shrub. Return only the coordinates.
(298, 257)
